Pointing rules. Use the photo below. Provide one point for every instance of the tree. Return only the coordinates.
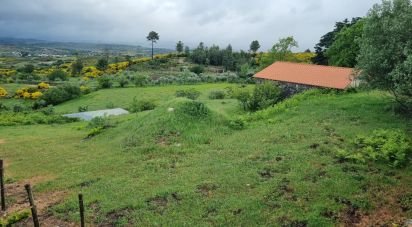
(129, 60)
(228, 60)
(57, 74)
(385, 58)
(102, 64)
(327, 40)
(281, 51)
(179, 47)
(254, 46)
(345, 49)
(77, 67)
(153, 37)
(187, 51)
(28, 68)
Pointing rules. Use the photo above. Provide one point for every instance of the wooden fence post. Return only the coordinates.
(81, 206)
(32, 205)
(2, 193)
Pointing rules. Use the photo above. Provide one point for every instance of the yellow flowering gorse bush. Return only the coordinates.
(3, 92)
(43, 86)
(28, 93)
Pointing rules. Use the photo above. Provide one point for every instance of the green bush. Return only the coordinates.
(83, 108)
(97, 122)
(61, 94)
(237, 124)
(17, 108)
(193, 109)
(141, 105)
(58, 75)
(263, 96)
(123, 81)
(198, 69)
(31, 118)
(105, 81)
(217, 94)
(140, 80)
(386, 146)
(191, 93)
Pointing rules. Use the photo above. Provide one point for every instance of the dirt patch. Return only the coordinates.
(2, 141)
(389, 207)
(116, 217)
(286, 221)
(158, 204)
(267, 173)
(166, 137)
(17, 201)
(207, 189)
(282, 191)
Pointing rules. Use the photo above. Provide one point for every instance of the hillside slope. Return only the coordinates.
(167, 168)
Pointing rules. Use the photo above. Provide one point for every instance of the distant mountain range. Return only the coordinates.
(35, 47)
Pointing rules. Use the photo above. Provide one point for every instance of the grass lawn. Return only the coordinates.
(165, 168)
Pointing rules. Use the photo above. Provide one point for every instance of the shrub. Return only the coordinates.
(85, 90)
(28, 93)
(31, 117)
(105, 81)
(83, 108)
(3, 92)
(43, 85)
(193, 109)
(3, 107)
(58, 75)
(141, 105)
(49, 110)
(61, 94)
(188, 93)
(18, 108)
(386, 146)
(217, 94)
(94, 132)
(263, 96)
(237, 124)
(198, 69)
(39, 104)
(140, 80)
(123, 81)
(100, 122)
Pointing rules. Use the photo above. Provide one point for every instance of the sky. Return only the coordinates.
(220, 22)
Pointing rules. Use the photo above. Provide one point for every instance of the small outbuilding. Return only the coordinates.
(299, 76)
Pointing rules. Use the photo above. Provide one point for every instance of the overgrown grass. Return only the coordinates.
(160, 167)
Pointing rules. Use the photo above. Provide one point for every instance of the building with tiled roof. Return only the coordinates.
(307, 75)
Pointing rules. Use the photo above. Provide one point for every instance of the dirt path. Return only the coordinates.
(16, 193)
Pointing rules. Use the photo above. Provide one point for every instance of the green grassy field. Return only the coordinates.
(164, 168)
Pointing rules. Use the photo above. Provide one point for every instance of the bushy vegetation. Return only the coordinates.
(58, 75)
(22, 117)
(61, 94)
(105, 81)
(264, 95)
(97, 125)
(193, 109)
(139, 105)
(387, 146)
(217, 94)
(191, 93)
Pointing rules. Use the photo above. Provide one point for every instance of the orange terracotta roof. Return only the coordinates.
(307, 74)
